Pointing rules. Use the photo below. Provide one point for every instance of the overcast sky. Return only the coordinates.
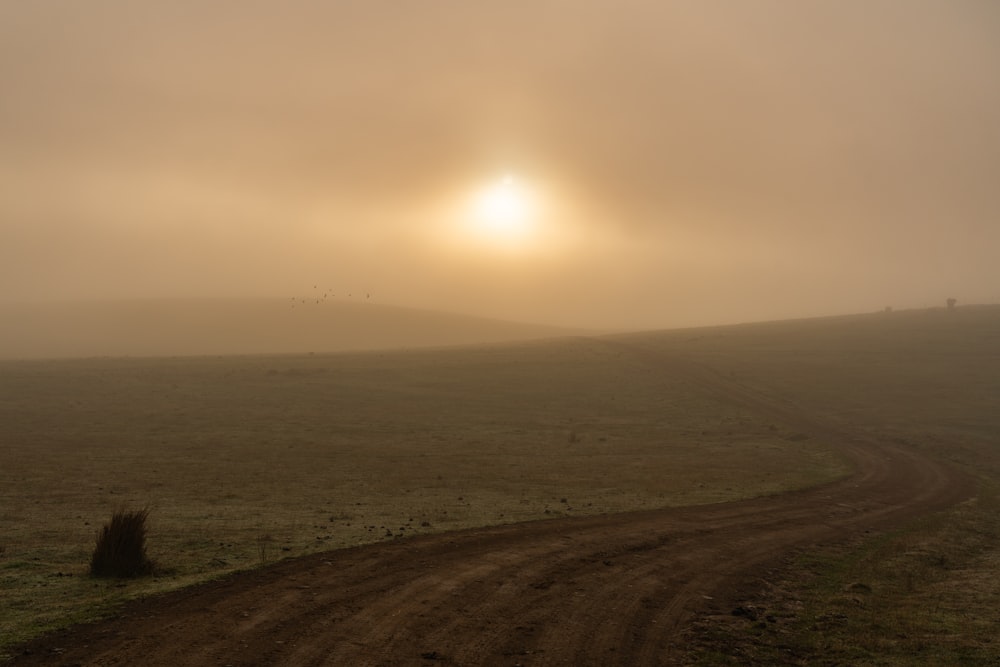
(689, 162)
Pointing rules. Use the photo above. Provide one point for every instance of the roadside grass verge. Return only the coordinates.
(924, 594)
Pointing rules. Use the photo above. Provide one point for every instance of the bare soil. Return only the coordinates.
(620, 589)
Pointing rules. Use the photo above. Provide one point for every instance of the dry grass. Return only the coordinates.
(246, 460)
(121, 546)
(918, 595)
(928, 593)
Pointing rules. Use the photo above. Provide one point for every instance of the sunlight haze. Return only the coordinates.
(584, 164)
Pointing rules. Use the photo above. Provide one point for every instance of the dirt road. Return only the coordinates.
(607, 590)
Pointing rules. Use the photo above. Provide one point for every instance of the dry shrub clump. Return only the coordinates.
(121, 546)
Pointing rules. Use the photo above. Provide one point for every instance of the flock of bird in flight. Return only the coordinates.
(316, 299)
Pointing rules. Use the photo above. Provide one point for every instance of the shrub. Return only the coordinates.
(121, 546)
(263, 542)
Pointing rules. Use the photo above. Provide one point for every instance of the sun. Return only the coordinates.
(506, 217)
(504, 212)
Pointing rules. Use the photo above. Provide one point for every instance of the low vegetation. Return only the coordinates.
(249, 460)
(121, 546)
(925, 594)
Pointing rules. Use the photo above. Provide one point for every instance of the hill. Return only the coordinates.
(811, 491)
(182, 327)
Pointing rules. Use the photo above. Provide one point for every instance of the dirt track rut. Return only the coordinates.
(606, 590)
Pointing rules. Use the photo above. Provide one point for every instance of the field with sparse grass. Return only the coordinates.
(927, 593)
(246, 460)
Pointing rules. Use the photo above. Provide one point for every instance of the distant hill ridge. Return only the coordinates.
(179, 327)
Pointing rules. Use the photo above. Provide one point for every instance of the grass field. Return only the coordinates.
(244, 460)
(929, 592)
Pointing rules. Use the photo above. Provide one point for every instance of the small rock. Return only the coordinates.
(746, 612)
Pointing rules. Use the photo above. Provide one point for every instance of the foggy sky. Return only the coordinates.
(701, 161)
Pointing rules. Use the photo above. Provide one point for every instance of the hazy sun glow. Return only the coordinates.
(504, 212)
(508, 217)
